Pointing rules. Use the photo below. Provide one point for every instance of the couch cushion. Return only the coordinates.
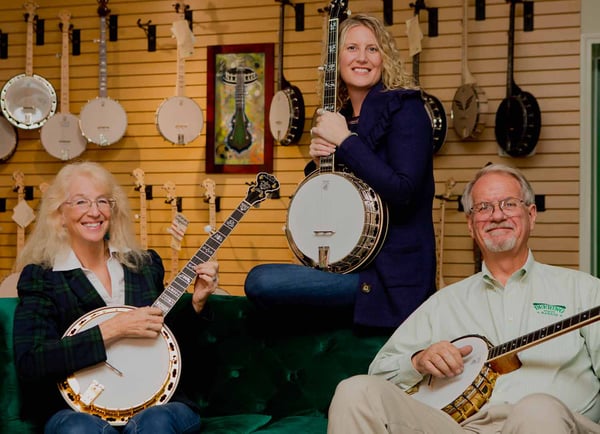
(237, 424)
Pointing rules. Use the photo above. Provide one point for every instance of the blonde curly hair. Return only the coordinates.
(394, 75)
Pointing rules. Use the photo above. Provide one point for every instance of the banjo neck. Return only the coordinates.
(65, 28)
(103, 12)
(330, 80)
(450, 183)
(31, 8)
(171, 199)
(511, 86)
(258, 192)
(467, 78)
(19, 187)
(180, 8)
(502, 357)
(141, 187)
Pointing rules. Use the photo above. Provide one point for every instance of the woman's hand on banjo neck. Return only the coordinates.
(147, 322)
(442, 359)
(329, 132)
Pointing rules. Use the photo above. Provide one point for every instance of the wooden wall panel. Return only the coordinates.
(546, 65)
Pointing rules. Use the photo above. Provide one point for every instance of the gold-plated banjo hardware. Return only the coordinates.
(507, 363)
(323, 257)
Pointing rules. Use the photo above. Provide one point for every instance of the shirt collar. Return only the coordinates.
(520, 273)
(67, 259)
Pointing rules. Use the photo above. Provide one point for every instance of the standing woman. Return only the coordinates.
(383, 135)
(83, 255)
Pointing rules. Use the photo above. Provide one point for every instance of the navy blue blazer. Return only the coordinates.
(393, 153)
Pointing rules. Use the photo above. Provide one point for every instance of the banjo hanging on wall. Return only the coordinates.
(518, 118)
(286, 115)
(103, 120)
(470, 103)
(179, 119)
(61, 135)
(28, 99)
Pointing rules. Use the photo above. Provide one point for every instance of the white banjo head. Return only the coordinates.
(150, 371)
(280, 116)
(336, 222)
(440, 392)
(103, 121)
(469, 106)
(179, 119)
(62, 137)
(8, 139)
(27, 101)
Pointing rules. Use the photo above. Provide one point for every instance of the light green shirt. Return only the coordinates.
(534, 297)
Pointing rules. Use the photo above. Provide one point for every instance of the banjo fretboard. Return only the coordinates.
(543, 334)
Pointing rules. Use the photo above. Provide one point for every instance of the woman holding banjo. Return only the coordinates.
(82, 256)
(382, 135)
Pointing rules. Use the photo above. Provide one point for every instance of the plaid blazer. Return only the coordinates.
(49, 303)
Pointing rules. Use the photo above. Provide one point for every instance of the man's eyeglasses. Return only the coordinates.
(83, 204)
(509, 206)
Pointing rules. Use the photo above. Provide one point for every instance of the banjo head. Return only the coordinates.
(8, 139)
(468, 108)
(103, 121)
(150, 371)
(457, 395)
(179, 120)
(28, 101)
(286, 116)
(62, 138)
(340, 213)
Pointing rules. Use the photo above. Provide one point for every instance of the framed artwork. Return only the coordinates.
(240, 89)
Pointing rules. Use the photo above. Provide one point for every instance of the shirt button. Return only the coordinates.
(366, 288)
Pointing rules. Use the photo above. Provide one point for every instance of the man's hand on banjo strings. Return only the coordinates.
(442, 359)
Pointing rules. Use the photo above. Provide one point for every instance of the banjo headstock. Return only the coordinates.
(209, 187)
(169, 187)
(139, 178)
(103, 9)
(65, 17)
(31, 8)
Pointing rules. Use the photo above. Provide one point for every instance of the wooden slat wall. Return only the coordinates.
(546, 65)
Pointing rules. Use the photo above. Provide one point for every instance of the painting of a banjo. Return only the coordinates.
(140, 373)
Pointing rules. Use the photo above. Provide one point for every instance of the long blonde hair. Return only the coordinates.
(393, 76)
(49, 236)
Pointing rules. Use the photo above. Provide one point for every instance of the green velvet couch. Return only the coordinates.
(251, 372)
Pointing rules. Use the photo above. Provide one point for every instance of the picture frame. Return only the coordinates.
(240, 86)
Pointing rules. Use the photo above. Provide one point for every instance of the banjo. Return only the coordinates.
(518, 118)
(179, 119)
(335, 221)
(463, 395)
(103, 120)
(8, 139)
(140, 373)
(433, 105)
(28, 100)
(470, 103)
(61, 135)
(286, 115)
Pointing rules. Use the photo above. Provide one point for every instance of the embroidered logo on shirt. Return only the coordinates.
(549, 309)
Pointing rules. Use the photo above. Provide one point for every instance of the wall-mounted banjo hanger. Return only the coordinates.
(3, 45)
(150, 29)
